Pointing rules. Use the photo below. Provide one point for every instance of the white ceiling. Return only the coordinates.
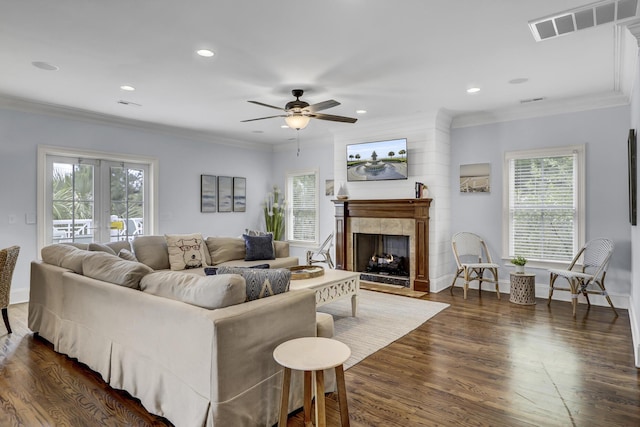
(391, 58)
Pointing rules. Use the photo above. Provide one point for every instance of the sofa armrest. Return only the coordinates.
(246, 335)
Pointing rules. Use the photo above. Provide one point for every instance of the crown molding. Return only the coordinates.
(70, 113)
(544, 108)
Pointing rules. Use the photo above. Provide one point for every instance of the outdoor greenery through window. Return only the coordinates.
(302, 213)
(88, 199)
(545, 203)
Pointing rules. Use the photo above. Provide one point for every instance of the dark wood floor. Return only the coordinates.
(481, 362)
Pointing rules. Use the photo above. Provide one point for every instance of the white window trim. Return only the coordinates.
(299, 243)
(580, 150)
(45, 151)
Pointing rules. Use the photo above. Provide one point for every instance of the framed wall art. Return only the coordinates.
(239, 194)
(208, 188)
(475, 178)
(225, 194)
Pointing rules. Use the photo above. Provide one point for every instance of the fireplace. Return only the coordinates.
(395, 217)
(382, 258)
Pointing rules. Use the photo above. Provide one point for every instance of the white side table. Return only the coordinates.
(312, 355)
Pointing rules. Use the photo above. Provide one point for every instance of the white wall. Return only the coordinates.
(634, 309)
(428, 162)
(181, 162)
(316, 154)
(604, 131)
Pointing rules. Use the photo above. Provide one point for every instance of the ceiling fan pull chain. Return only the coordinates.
(298, 142)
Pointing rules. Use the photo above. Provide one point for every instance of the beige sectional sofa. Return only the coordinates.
(192, 365)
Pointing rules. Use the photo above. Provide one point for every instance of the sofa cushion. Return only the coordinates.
(223, 249)
(127, 255)
(209, 292)
(258, 247)
(64, 255)
(99, 247)
(261, 283)
(113, 269)
(250, 232)
(118, 245)
(187, 251)
(281, 248)
(152, 251)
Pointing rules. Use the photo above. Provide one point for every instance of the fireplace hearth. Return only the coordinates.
(385, 258)
(405, 217)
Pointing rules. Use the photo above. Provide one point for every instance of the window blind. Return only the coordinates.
(543, 207)
(303, 202)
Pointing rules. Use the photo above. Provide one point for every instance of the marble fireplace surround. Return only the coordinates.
(402, 217)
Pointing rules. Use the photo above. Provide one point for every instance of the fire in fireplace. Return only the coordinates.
(382, 258)
(388, 264)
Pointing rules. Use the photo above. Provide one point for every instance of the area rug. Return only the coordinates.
(382, 319)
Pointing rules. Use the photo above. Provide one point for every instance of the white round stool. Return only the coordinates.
(312, 355)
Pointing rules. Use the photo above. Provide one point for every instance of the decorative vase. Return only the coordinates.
(519, 269)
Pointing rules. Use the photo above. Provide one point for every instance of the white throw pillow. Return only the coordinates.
(187, 251)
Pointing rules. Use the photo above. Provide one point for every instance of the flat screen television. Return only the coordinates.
(377, 161)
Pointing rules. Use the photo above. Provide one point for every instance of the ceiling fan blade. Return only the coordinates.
(322, 106)
(333, 118)
(262, 118)
(266, 105)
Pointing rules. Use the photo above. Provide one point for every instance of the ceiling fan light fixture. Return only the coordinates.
(297, 121)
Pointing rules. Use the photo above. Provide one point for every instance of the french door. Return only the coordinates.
(91, 199)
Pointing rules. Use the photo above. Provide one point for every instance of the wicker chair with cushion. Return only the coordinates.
(473, 258)
(595, 255)
(8, 258)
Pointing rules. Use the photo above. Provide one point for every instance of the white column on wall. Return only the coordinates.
(428, 162)
(634, 297)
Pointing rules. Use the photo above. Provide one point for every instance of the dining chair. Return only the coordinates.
(591, 272)
(472, 258)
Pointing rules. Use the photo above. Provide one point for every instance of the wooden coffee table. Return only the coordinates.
(331, 286)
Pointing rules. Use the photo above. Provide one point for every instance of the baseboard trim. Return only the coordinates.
(635, 333)
(18, 296)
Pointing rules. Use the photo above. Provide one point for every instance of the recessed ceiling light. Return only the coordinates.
(518, 81)
(284, 126)
(473, 90)
(127, 88)
(361, 111)
(45, 66)
(205, 52)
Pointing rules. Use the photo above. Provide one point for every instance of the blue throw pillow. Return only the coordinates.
(261, 283)
(258, 247)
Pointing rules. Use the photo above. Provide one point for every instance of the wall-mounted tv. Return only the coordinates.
(377, 161)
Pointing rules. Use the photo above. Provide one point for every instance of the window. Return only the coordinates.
(93, 197)
(302, 212)
(543, 206)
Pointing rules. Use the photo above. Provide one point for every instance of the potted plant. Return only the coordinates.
(519, 262)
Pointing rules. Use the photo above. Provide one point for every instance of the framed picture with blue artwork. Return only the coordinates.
(208, 188)
(225, 194)
(239, 194)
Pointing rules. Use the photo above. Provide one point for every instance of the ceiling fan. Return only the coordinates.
(298, 113)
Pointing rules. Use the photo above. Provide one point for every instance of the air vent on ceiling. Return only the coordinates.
(588, 16)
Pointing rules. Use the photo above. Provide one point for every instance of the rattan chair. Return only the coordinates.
(472, 258)
(595, 260)
(322, 252)
(8, 258)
